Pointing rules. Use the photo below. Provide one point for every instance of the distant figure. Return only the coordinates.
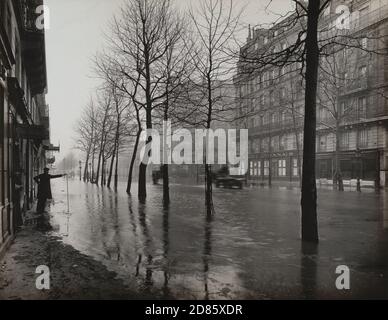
(44, 188)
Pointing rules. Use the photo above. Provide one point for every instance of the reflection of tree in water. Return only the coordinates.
(147, 244)
(309, 270)
(115, 220)
(166, 245)
(207, 250)
(134, 230)
(110, 245)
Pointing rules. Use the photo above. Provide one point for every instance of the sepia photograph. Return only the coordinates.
(202, 151)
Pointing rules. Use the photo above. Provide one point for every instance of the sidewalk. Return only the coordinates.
(72, 274)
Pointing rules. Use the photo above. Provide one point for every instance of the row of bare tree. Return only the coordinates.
(159, 64)
(164, 64)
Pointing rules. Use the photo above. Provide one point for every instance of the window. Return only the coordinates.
(275, 143)
(274, 118)
(283, 143)
(362, 72)
(363, 138)
(267, 119)
(293, 142)
(363, 12)
(295, 167)
(361, 107)
(265, 40)
(345, 53)
(251, 170)
(283, 117)
(283, 93)
(364, 43)
(323, 143)
(255, 168)
(271, 97)
(342, 109)
(256, 145)
(274, 75)
(258, 167)
(346, 78)
(265, 145)
(282, 172)
(323, 114)
(344, 144)
(265, 78)
(266, 168)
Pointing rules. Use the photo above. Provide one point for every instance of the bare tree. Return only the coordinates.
(85, 140)
(338, 72)
(104, 124)
(214, 25)
(138, 45)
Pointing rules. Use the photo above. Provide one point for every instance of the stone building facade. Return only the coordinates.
(352, 109)
(24, 116)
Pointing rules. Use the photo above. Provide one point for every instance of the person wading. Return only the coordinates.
(44, 189)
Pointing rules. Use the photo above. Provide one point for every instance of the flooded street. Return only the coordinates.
(250, 248)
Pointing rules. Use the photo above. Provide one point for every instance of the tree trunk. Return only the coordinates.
(166, 187)
(166, 180)
(208, 190)
(309, 188)
(85, 178)
(97, 177)
(132, 164)
(112, 162)
(92, 168)
(339, 182)
(142, 188)
(116, 168)
(117, 146)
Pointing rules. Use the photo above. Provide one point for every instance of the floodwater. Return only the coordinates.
(249, 249)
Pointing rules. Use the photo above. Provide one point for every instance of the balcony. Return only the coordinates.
(16, 96)
(278, 126)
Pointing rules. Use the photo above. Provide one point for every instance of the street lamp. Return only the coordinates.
(358, 157)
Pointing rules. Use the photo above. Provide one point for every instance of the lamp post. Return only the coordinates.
(358, 159)
(80, 170)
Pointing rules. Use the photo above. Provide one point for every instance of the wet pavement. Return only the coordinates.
(249, 249)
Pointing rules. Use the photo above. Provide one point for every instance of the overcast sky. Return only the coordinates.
(76, 34)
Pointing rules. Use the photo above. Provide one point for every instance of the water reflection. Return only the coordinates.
(147, 243)
(166, 245)
(207, 251)
(308, 269)
(178, 251)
